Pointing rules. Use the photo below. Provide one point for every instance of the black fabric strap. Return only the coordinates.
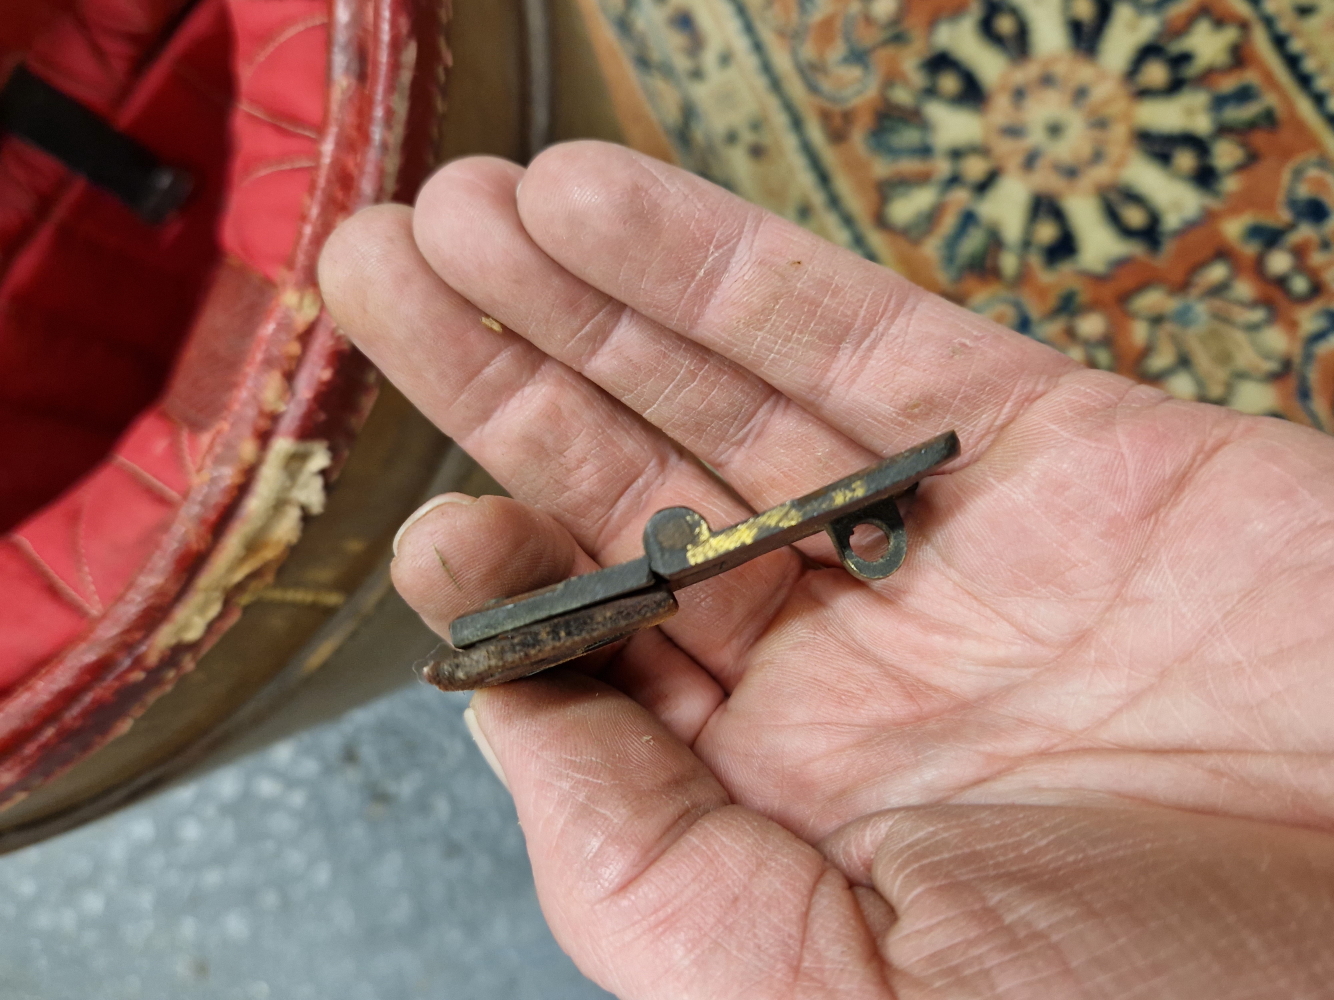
(36, 112)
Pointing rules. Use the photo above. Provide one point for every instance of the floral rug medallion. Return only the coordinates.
(1146, 186)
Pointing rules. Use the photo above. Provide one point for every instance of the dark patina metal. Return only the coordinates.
(517, 636)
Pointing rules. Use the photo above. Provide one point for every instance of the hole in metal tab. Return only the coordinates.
(869, 542)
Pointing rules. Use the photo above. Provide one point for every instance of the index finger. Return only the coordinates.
(881, 359)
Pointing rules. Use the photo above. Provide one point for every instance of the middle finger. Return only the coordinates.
(764, 444)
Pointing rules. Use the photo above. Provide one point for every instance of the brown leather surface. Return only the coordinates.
(582, 105)
(484, 97)
(637, 122)
(485, 93)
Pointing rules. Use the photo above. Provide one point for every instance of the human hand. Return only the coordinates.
(1114, 602)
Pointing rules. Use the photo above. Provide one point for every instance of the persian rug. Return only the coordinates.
(1146, 186)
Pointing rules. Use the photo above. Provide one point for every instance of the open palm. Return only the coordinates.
(1113, 602)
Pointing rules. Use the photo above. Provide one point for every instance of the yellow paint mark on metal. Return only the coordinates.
(702, 533)
(846, 495)
(785, 515)
(730, 539)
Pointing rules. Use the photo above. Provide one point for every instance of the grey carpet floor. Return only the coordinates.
(372, 858)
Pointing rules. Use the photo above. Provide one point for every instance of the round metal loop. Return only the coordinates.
(883, 515)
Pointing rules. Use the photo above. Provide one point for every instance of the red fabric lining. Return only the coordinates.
(94, 304)
(277, 126)
(96, 52)
(46, 620)
(92, 50)
(24, 22)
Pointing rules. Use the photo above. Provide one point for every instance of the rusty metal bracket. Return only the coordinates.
(517, 636)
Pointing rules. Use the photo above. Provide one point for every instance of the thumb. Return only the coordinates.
(651, 879)
(456, 552)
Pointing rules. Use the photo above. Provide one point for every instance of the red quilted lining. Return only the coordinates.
(23, 23)
(94, 304)
(281, 51)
